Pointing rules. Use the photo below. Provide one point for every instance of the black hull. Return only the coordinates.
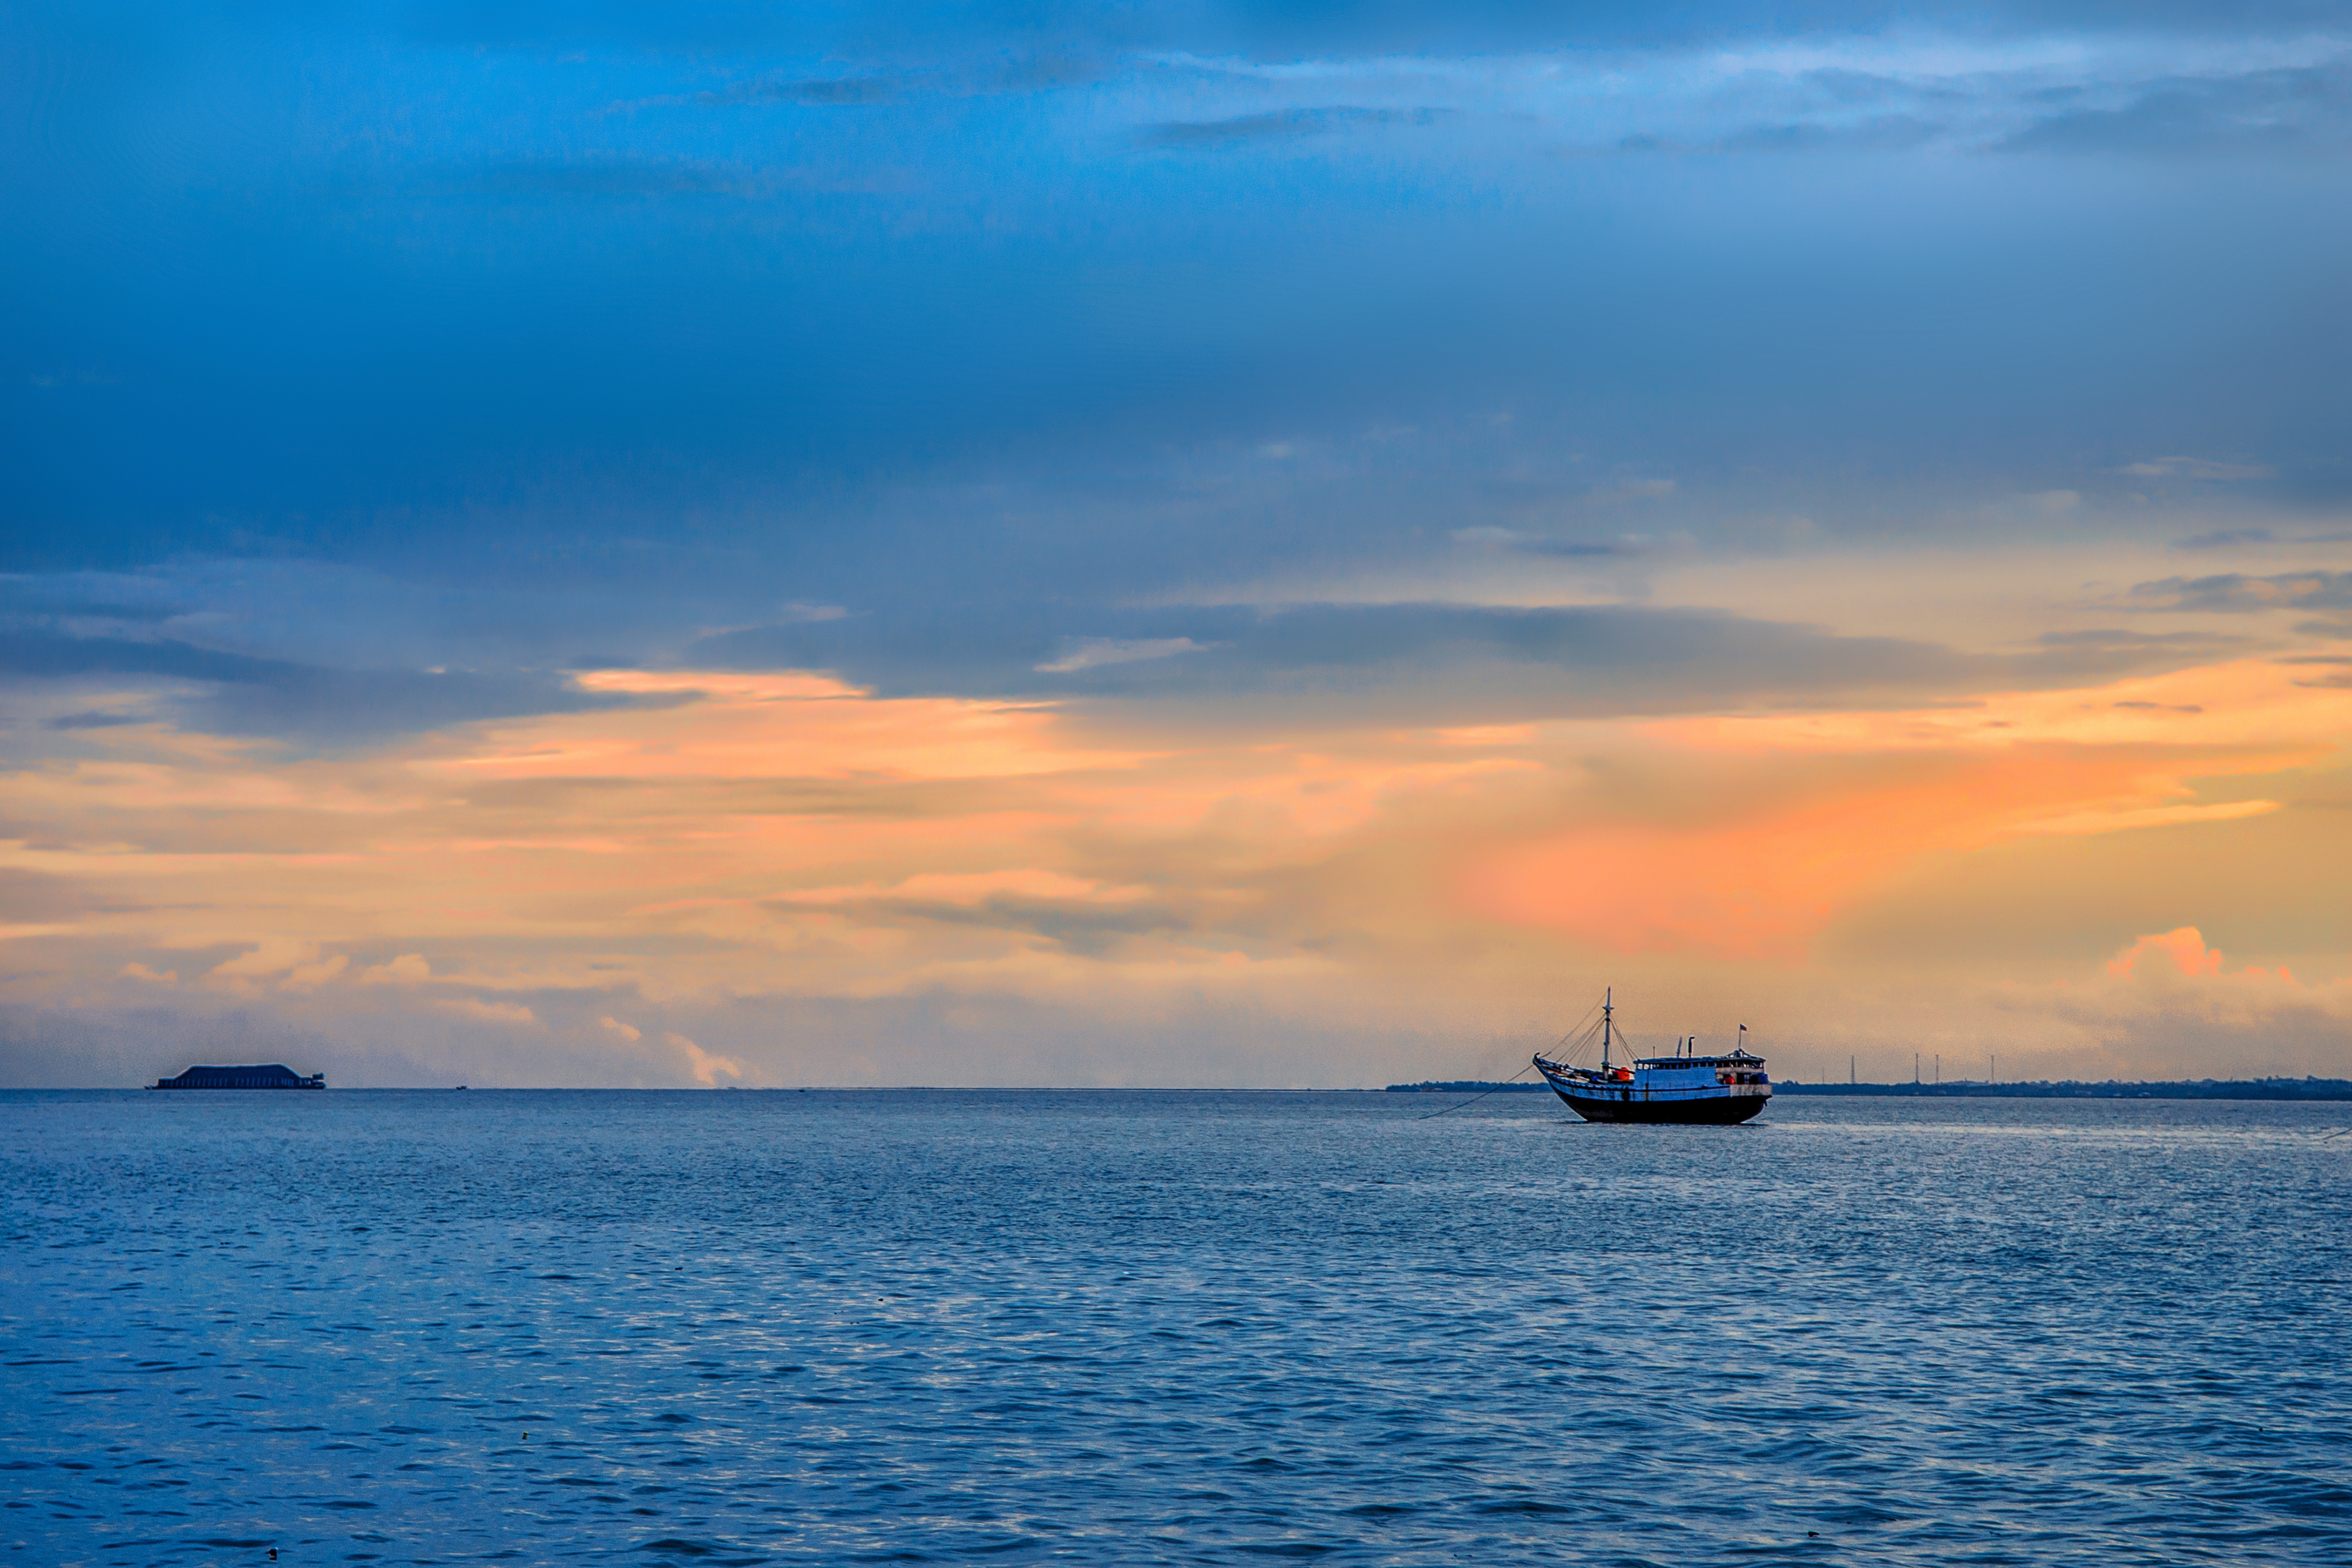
(1721, 1112)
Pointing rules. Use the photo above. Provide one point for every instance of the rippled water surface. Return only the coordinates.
(1130, 1328)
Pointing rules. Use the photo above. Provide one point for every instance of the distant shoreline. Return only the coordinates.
(1467, 1086)
(2112, 1088)
(2066, 1089)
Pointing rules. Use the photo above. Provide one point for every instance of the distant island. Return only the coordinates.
(2064, 1089)
(276, 1074)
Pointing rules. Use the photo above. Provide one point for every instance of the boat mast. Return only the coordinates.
(1605, 1010)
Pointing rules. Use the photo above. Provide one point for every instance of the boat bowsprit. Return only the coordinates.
(1687, 1087)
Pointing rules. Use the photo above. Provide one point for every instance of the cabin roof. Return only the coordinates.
(1726, 1059)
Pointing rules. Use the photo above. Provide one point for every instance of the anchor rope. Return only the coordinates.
(1477, 1098)
(1577, 1040)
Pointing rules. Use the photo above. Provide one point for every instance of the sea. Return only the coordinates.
(1114, 1327)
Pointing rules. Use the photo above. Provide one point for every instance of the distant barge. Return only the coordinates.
(271, 1077)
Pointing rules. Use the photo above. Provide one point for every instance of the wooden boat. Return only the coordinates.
(1687, 1087)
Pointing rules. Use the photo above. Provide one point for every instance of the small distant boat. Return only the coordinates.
(274, 1076)
(1686, 1087)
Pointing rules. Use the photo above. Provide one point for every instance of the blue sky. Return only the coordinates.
(375, 372)
(415, 282)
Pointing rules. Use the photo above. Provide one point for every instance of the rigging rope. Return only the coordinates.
(1580, 1027)
(1578, 1040)
(1477, 1098)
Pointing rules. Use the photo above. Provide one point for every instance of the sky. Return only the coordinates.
(1172, 544)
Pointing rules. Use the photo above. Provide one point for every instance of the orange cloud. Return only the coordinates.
(731, 726)
(764, 832)
(1810, 812)
(2185, 947)
(787, 836)
(408, 969)
(2190, 958)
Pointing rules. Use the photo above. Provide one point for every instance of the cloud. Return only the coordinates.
(2112, 640)
(94, 721)
(2299, 108)
(51, 656)
(1876, 133)
(707, 1067)
(56, 601)
(1435, 663)
(290, 964)
(1759, 884)
(512, 1012)
(272, 955)
(960, 851)
(1625, 547)
(250, 695)
(1761, 879)
(2195, 469)
(308, 975)
(408, 969)
(29, 894)
(2233, 537)
(2226, 539)
(1090, 653)
(140, 972)
(1635, 489)
(1278, 126)
(2235, 593)
(1276, 38)
(2184, 948)
(967, 75)
(1585, 659)
(1081, 927)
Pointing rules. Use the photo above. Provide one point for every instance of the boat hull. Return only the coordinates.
(1712, 1111)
